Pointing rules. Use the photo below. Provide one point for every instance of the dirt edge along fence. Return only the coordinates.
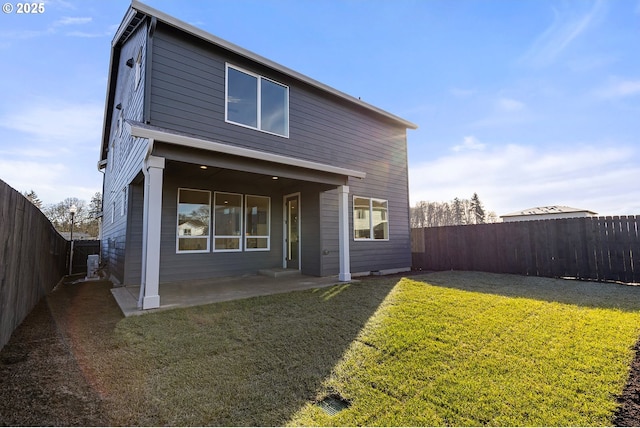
(33, 258)
(594, 248)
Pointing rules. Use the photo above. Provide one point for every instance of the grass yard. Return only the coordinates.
(453, 348)
(469, 349)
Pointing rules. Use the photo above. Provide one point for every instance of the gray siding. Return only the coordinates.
(181, 266)
(187, 95)
(185, 90)
(310, 232)
(133, 254)
(124, 160)
(330, 262)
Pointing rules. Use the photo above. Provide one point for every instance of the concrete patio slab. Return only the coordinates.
(201, 292)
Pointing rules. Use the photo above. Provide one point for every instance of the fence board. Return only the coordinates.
(616, 254)
(625, 248)
(573, 249)
(587, 268)
(81, 250)
(29, 268)
(635, 248)
(602, 248)
(604, 232)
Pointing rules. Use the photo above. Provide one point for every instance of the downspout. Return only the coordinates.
(147, 71)
(102, 167)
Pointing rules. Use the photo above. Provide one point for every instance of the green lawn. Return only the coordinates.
(453, 348)
(437, 353)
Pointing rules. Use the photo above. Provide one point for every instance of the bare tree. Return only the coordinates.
(457, 212)
(85, 219)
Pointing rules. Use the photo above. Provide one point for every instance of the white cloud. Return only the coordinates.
(53, 180)
(54, 28)
(25, 175)
(514, 177)
(510, 105)
(462, 93)
(28, 152)
(469, 143)
(69, 20)
(619, 89)
(504, 111)
(86, 35)
(55, 121)
(567, 26)
(52, 148)
(60, 3)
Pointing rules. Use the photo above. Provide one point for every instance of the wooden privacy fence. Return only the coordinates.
(33, 258)
(596, 248)
(81, 250)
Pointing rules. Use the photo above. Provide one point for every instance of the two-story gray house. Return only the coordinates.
(218, 162)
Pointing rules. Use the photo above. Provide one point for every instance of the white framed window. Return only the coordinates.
(113, 212)
(370, 219)
(227, 226)
(256, 102)
(194, 219)
(257, 223)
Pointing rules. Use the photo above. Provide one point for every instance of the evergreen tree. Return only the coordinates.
(33, 198)
(477, 211)
(458, 212)
(453, 213)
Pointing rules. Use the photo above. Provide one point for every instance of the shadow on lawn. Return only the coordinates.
(593, 294)
(248, 362)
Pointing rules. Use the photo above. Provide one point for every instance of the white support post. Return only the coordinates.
(154, 169)
(145, 215)
(343, 233)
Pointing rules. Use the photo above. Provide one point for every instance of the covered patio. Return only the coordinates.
(289, 240)
(181, 294)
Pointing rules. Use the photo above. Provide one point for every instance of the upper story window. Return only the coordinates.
(256, 102)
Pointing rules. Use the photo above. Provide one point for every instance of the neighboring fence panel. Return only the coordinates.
(33, 258)
(81, 250)
(597, 248)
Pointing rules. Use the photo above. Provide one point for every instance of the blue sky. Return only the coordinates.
(528, 102)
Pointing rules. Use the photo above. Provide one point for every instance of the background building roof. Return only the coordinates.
(553, 209)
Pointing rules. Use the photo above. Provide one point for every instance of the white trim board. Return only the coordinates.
(145, 131)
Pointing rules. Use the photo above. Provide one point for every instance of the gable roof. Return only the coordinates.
(138, 12)
(553, 209)
(143, 9)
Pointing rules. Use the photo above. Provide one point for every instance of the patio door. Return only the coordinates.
(292, 231)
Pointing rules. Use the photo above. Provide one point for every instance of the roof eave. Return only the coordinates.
(141, 130)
